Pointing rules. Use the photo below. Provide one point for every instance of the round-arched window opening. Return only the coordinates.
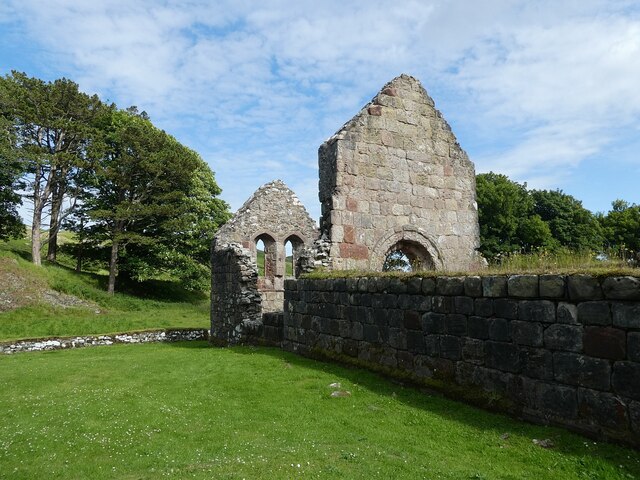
(288, 260)
(407, 256)
(260, 249)
(292, 247)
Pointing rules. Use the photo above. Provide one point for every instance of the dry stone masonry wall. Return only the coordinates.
(395, 177)
(563, 350)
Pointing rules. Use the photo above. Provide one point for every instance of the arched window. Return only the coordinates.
(266, 255)
(407, 256)
(292, 246)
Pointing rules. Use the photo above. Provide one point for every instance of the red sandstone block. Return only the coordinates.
(349, 234)
(351, 250)
(352, 204)
(375, 110)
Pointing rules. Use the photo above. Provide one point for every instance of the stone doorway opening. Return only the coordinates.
(407, 256)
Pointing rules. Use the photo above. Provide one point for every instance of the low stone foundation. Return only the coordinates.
(555, 349)
(39, 345)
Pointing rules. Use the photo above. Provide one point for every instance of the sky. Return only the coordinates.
(545, 92)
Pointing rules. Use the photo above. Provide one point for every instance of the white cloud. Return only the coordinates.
(537, 86)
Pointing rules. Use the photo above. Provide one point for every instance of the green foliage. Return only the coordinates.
(186, 410)
(622, 228)
(10, 172)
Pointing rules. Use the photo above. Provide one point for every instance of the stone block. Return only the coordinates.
(395, 318)
(450, 286)
(483, 307)
(433, 322)
(564, 337)
(527, 333)
(473, 286)
(456, 324)
(441, 304)
(557, 400)
(523, 286)
(499, 330)
(605, 342)
(478, 327)
(371, 333)
(432, 345)
(450, 347)
(626, 315)
(397, 338)
(405, 360)
(594, 313)
(502, 356)
(414, 285)
(494, 286)
(602, 408)
(357, 331)
(634, 416)
(633, 346)
(463, 305)
(567, 313)
(621, 288)
(583, 371)
(552, 286)
(505, 308)
(415, 342)
(583, 287)
(397, 285)
(412, 320)
(473, 351)
(537, 311)
(536, 362)
(428, 286)
(626, 379)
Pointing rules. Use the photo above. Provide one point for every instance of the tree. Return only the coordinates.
(622, 227)
(54, 125)
(10, 171)
(572, 225)
(507, 219)
(153, 199)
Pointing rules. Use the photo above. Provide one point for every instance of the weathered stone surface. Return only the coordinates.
(478, 327)
(473, 286)
(502, 356)
(450, 286)
(464, 305)
(527, 333)
(456, 324)
(594, 313)
(505, 308)
(583, 287)
(633, 346)
(626, 315)
(567, 313)
(552, 286)
(428, 286)
(602, 409)
(450, 347)
(483, 307)
(499, 329)
(494, 286)
(605, 342)
(397, 177)
(621, 288)
(537, 311)
(433, 322)
(523, 286)
(634, 416)
(557, 400)
(575, 369)
(626, 379)
(564, 337)
(536, 362)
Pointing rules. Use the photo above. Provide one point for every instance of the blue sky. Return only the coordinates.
(545, 92)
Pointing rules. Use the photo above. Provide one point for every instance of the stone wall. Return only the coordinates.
(236, 303)
(395, 178)
(62, 343)
(550, 348)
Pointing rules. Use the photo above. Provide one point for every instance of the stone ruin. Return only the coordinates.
(392, 179)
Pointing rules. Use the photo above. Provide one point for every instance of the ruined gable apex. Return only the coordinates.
(273, 208)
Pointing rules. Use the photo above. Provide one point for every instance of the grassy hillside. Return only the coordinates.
(56, 300)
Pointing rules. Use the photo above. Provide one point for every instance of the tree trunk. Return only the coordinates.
(113, 265)
(35, 236)
(54, 225)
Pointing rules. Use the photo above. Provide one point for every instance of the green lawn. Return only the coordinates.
(187, 410)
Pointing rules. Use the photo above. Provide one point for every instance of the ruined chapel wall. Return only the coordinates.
(395, 172)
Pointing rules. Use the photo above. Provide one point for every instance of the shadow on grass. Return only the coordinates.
(566, 443)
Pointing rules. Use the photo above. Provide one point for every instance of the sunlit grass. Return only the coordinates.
(192, 411)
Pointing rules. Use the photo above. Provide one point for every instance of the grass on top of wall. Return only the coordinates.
(186, 410)
(559, 263)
